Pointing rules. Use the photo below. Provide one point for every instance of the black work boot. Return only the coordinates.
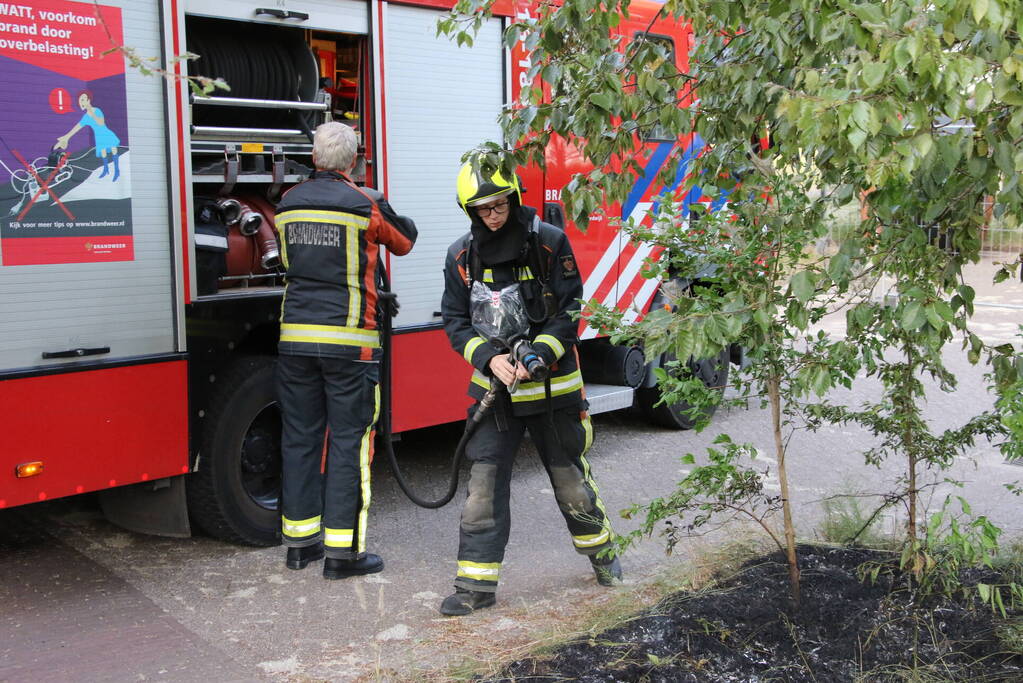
(299, 558)
(466, 602)
(607, 569)
(340, 569)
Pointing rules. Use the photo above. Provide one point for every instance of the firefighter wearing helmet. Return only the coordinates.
(511, 289)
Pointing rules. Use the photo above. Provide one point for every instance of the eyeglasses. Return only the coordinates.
(496, 209)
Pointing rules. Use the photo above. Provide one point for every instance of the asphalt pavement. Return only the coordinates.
(83, 600)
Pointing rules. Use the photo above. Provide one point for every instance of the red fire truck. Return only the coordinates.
(138, 266)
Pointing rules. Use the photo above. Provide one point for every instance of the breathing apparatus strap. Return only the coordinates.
(536, 252)
(474, 267)
(535, 259)
(543, 269)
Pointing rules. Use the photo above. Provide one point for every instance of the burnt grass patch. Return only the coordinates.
(744, 629)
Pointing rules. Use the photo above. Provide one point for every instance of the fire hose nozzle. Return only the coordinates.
(230, 209)
(271, 258)
(266, 242)
(524, 354)
(249, 222)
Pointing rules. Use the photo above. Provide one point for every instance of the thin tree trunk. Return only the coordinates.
(911, 525)
(779, 446)
(908, 444)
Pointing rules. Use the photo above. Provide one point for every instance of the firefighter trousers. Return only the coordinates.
(329, 504)
(486, 518)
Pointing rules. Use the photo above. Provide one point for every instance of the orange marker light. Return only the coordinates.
(28, 469)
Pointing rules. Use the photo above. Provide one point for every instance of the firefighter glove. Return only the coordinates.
(389, 304)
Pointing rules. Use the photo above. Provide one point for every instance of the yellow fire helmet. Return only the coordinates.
(475, 187)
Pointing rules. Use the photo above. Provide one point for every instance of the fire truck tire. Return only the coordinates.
(713, 372)
(234, 493)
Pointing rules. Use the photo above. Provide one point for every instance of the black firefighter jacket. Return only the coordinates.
(554, 340)
(330, 233)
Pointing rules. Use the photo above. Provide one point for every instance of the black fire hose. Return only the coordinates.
(384, 426)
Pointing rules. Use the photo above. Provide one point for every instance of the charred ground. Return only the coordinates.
(744, 629)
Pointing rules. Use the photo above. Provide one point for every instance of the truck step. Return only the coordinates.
(604, 398)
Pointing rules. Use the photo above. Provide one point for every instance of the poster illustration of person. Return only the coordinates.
(106, 140)
(65, 165)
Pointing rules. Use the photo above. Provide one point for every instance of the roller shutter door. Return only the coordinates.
(440, 101)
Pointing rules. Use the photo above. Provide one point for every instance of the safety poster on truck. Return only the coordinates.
(65, 181)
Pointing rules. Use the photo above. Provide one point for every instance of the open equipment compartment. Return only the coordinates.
(250, 143)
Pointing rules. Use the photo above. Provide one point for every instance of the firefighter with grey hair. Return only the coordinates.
(511, 287)
(331, 234)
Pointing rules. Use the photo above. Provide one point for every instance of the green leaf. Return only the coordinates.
(511, 36)
(838, 268)
(982, 96)
(685, 343)
(923, 144)
(861, 115)
(873, 74)
(762, 319)
(821, 380)
(732, 327)
(944, 310)
(967, 510)
(905, 52)
(868, 13)
(602, 100)
(688, 459)
(979, 9)
(802, 286)
(912, 316)
(857, 137)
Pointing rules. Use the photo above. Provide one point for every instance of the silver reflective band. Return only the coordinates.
(559, 385)
(600, 538)
(215, 241)
(345, 538)
(476, 571)
(301, 528)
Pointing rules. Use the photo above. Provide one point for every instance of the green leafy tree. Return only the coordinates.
(915, 107)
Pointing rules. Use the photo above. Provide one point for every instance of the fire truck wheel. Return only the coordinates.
(713, 372)
(235, 492)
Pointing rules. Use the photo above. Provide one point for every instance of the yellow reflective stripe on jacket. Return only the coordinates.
(300, 527)
(329, 334)
(590, 540)
(535, 391)
(471, 346)
(354, 280)
(315, 216)
(481, 571)
(338, 538)
(349, 226)
(552, 342)
(524, 274)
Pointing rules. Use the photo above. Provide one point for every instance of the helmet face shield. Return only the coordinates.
(476, 187)
(487, 198)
